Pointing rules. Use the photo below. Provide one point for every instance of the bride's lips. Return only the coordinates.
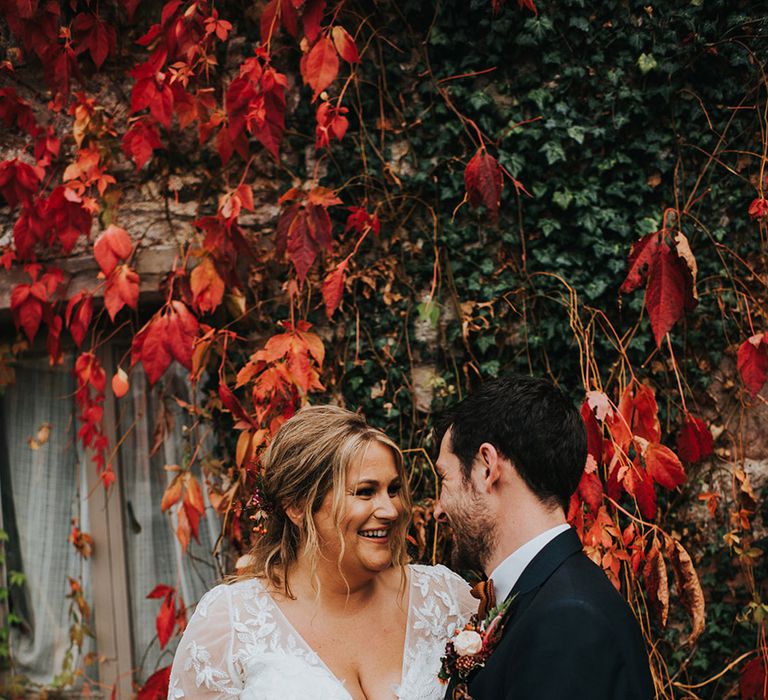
(376, 535)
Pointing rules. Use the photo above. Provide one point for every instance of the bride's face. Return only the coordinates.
(371, 515)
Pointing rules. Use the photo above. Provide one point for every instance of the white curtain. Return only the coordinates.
(42, 489)
(154, 553)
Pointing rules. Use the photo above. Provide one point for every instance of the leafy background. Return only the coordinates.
(603, 116)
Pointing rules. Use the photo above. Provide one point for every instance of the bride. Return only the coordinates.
(329, 609)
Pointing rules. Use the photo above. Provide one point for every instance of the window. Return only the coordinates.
(47, 483)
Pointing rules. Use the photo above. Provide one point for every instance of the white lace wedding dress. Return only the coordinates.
(239, 644)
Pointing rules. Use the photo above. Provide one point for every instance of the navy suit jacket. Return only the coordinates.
(569, 635)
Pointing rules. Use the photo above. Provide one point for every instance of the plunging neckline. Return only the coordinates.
(317, 656)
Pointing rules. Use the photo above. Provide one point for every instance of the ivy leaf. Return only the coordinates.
(752, 363)
(484, 182)
(112, 247)
(333, 288)
(345, 45)
(320, 66)
(646, 62)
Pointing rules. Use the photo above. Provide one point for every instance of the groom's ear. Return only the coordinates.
(488, 461)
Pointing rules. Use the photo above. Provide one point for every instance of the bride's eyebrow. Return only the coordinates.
(373, 482)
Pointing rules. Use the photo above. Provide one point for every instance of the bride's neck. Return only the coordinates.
(335, 590)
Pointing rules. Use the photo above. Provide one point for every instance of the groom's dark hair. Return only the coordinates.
(530, 422)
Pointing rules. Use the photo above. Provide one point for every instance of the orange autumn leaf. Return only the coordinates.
(333, 288)
(111, 248)
(207, 286)
(345, 45)
(688, 587)
(122, 290)
(655, 575)
(320, 66)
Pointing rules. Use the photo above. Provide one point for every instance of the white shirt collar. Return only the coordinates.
(506, 574)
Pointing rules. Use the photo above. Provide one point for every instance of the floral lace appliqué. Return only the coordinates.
(238, 643)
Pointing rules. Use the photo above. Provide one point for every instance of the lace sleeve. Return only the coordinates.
(203, 665)
(459, 590)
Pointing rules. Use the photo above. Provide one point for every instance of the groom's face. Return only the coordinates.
(466, 510)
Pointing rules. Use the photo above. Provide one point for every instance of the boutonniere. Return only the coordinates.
(470, 647)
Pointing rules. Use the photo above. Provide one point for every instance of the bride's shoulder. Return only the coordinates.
(227, 594)
(438, 578)
(440, 589)
(436, 572)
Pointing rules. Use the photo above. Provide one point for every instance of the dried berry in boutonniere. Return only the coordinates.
(470, 648)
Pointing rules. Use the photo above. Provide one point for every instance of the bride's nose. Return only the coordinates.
(385, 508)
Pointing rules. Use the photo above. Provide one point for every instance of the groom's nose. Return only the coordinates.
(438, 513)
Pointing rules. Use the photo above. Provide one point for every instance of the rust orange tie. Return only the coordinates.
(483, 591)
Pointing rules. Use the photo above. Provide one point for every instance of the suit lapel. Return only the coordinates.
(541, 567)
(544, 564)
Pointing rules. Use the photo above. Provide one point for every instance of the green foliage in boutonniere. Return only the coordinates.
(470, 647)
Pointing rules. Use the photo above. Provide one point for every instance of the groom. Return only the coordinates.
(511, 455)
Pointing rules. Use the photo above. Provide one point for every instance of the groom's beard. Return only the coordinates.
(474, 533)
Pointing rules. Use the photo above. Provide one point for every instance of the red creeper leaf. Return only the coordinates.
(752, 362)
(333, 288)
(345, 45)
(122, 289)
(320, 66)
(112, 247)
(141, 141)
(694, 441)
(664, 466)
(484, 182)
(156, 687)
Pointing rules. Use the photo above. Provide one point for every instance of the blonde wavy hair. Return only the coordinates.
(308, 458)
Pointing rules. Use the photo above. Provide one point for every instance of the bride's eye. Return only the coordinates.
(394, 489)
(364, 492)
